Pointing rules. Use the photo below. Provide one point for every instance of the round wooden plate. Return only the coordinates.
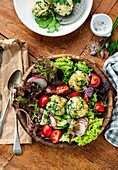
(106, 116)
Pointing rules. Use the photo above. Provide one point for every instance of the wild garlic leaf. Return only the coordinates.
(43, 22)
(113, 47)
(49, 22)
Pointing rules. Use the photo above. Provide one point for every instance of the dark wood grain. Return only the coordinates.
(99, 154)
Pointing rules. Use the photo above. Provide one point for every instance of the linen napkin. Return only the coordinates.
(111, 69)
(14, 57)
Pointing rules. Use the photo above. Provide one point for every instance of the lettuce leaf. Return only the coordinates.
(66, 65)
(91, 132)
(81, 66)
(66, 136)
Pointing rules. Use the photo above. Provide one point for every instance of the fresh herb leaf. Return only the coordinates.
(49, 22)
(113, 47)
(43, 22)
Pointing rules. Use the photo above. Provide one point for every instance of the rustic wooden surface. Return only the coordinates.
(97, 155)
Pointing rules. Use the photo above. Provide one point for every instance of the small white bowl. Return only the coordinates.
(101, 25)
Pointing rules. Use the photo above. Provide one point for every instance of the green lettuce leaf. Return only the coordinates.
(91, 132)
(66, 65)
(81, 66)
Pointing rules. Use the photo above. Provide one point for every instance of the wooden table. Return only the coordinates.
(97, 155)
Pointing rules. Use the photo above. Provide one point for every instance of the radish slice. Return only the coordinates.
(81, 130)
(40, 80)
(81, 121)
(53, 120)
(85, 120)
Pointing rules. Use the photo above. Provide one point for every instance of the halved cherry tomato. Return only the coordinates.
(62, 90)
(46, 131)
(51, 89)
(74, 94)
(43, 100)
(95, 81)
(99, 107)
(86, 98)
(55, 136)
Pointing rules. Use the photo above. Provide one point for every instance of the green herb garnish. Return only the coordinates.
(49, 22)
(113, 47)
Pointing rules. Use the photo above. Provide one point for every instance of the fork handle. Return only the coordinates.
(17, 147)
(3, 117)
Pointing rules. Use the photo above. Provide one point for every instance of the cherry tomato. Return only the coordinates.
(43, 100)
(95, 81)
(46, 131)
(74, 94)
(86, 98)
(51, 89)
(62, 90)
(55, 136)
(99, 107)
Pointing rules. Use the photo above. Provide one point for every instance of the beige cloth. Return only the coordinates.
(15, 57)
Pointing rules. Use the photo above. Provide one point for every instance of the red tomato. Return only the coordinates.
(46, 131)
(55, 136)
(62, 90)
(86, 98)
(43, 100)
(74, 94)
(95, 81)
(99, 107)
(51, 89)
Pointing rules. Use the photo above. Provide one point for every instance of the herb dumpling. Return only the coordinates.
(77, 107)
(63, 9)
(56, 105)
(40, 7)
(79, 81)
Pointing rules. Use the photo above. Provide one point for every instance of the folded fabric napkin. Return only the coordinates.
(111, 70)
(14, 57)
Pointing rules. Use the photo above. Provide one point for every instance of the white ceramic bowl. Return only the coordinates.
(23, 10)
(101, 18)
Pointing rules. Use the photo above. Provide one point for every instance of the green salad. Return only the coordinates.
(64, 100)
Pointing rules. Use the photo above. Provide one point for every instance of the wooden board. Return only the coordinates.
(97, 155)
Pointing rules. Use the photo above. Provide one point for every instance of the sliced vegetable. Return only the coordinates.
(40, 80)
(95, 81)
(61, 124)
(46, 131)
(86, 98)
(81, 130)
(44, 118)
(84, 120)
(43, 100)
(99, 107)
(55, 136)
(74, 94)
(53, 120)
(62, 90)
(58, 117)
